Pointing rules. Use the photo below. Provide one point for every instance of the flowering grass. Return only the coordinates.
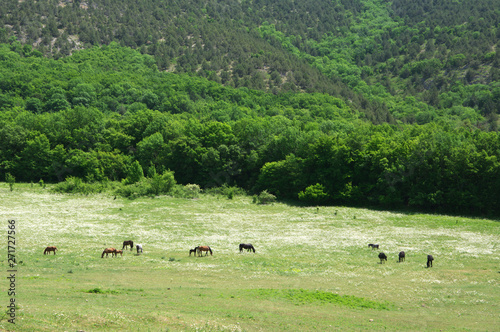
(312, 268)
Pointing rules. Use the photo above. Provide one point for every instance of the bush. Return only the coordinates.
(76, 185)
(264, 198)
(187, 191)
(314, 194)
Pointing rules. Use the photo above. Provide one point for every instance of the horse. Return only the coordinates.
(107, 251)
(402, 256)
(128, 243)
(374, 246)
(119, 252)
(139, 248)
(204, 248)
(193, 251)
(247, 246)
(429, 260)
(49, 249)
(383, 257)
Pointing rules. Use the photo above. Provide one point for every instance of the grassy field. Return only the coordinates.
(312, 270)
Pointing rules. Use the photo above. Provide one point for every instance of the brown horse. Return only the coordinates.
(49, 249)
(119, 252)
(128, 243)
(107, 251)
(204, 248)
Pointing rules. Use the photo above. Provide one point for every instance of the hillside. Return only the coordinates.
(108, 114)
(400, 60)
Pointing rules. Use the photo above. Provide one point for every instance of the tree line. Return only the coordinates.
(107, 114)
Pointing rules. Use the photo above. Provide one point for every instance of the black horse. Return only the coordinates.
(383, 257)
(402, 256)
(374, 246)
(247, 246)
(429, 260)
(193, 251)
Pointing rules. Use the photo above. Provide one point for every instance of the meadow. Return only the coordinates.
(312, 269)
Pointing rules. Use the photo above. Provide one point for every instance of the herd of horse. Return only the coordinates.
(199, 250)
(402, 256)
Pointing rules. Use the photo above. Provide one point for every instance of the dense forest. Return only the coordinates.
(358, 102)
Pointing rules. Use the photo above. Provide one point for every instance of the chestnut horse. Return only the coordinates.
(247, 246)
(128, 243)
(49, 249)
(107, 251)
(119, 252)
(204, 248)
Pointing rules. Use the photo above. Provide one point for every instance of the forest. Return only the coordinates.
(351, 102)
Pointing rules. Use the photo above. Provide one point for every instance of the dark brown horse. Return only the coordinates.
(247, 246)
(193, 251)
(49, 249)
(429, 260)
(374, 246)
(383, 257)
(204, 248)
(128, 243)
(107, 251)
(402, 256)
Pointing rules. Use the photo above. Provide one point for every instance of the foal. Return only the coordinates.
(374, 246)
(138, 247)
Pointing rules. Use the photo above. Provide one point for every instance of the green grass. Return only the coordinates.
(312, 269)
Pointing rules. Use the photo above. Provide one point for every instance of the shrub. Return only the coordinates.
(10, 179)
(314, 194)
(76, 185)
(264, 198)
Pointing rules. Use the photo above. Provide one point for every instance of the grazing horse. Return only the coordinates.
(128, 243)
(402, 256)
(204, 248)
(119, 252)
(247, 246)
(383, 257)
(49, 249)
(193, 251)
(374, 246)
(107, 251)
(139, 248)
(429, 260)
